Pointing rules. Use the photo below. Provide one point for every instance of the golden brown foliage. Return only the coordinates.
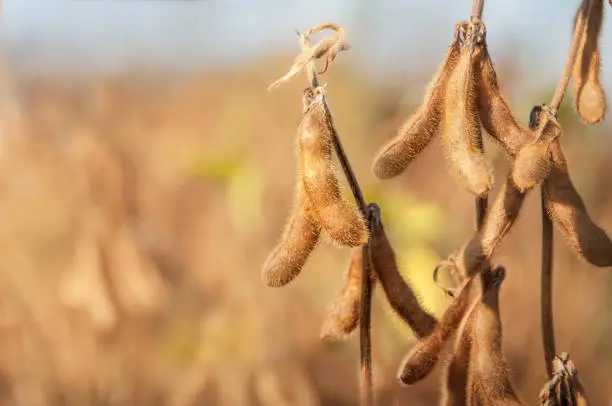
(489, 382)
(589, 95)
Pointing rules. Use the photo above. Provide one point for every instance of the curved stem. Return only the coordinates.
(570, 62)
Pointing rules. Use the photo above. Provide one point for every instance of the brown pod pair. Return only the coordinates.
(589, 95)
(330, 47)
(320, 204)
(564, 388)
(423, 357)
(488, 379)
(450, 108)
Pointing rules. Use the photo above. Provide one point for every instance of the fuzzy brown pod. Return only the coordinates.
(533, 163)
(399, 294)
(568, 213)
(422, 358)
(330, 47)
(455, 374)
(301, 233)
(422, 125)
(500, 218)
(342, 315)
(589, 95)
(461, 135)
(337, 216)
(564, 388)
(495, 113)
(489, 382)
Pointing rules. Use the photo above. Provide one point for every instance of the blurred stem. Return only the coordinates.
(546, 297)
(365, 338)
(477, 7)
(570, 62)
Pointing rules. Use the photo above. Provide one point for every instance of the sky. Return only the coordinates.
(387, 36)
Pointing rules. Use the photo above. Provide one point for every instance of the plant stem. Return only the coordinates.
(570, 62)
(546, 297)
(365, 313)
(477, 7)
(365, 337)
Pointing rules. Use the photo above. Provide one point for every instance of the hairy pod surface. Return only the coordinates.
(400, 295)
(589, 95)
(338, 217)
(502, 214)
(462, 136)
(419, 129)
(489, 382)
(495, 113)
(455, 374)
(568, 213)
(533, 163)
(422, 358)
(342, 316)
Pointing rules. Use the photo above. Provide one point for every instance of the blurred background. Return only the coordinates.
(146, 173)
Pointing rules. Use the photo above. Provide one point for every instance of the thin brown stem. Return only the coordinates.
(569, 64)
(344, 162)
(477, 7)
(546, 297)
(365, 338)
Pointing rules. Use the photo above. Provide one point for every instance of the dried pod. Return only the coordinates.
(297, 242)
(589, 95)
(423, 357)
(489, 382)
(455, 375)
(342, 315)
(462, 134)
(495, 113)
(301, 233)
(502, 214)
(568, 213)
(533, 163)
(337, 216)
(329, 46)
(399, 294)
(564, 388)
(418, 130)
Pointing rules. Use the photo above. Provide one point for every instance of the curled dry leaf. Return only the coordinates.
(489, 382)
(455, 374)
(419, 129)
(342, 316)
(568, 213)
(564, 388)
(533, 164)
(589, 95)
(329, 46)
(423, 357)
(462, 137)
(399, 294)
(337, 216)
